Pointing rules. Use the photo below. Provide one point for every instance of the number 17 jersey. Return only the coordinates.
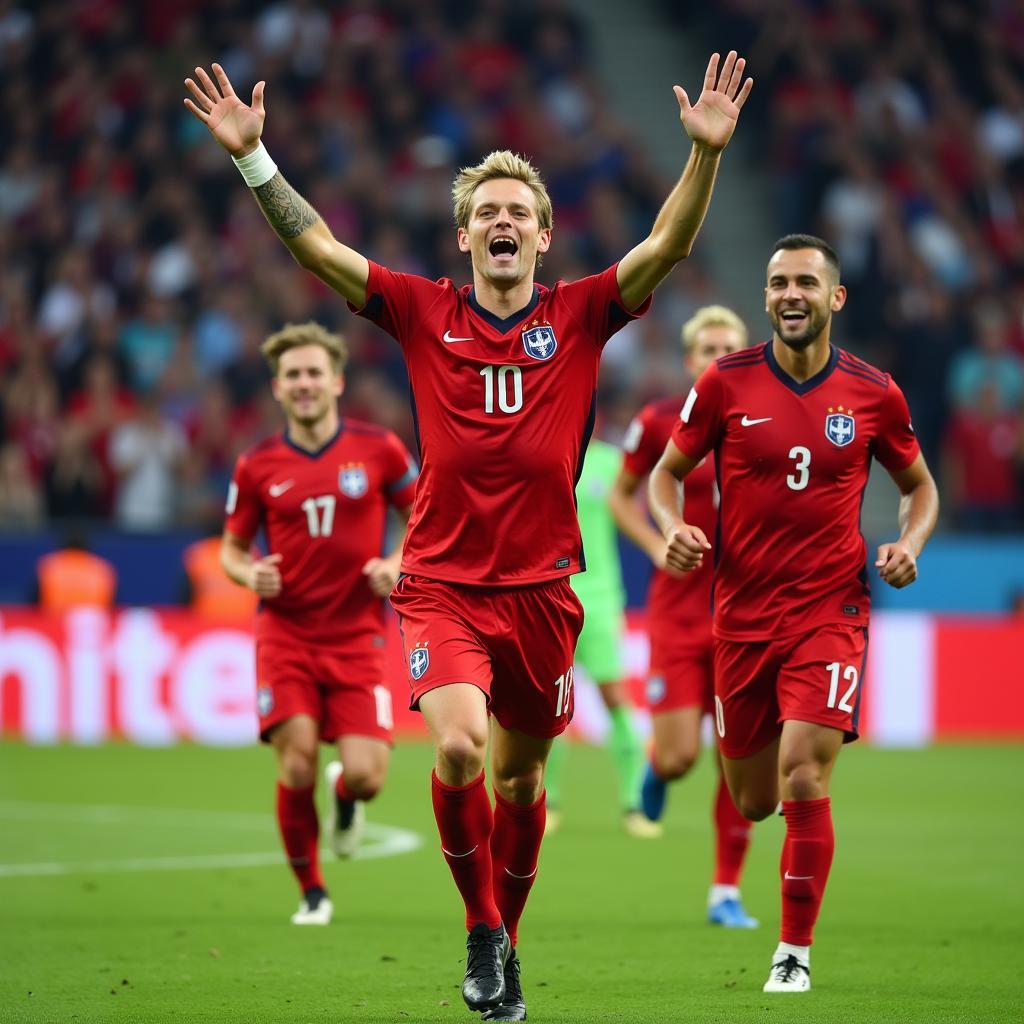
(792, 461)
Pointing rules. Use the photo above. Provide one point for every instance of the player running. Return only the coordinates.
(503, 374)
(680, 686)
(794, 424)
(598, 650)
(320, 492)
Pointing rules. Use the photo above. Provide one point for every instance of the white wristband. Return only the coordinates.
(256, 167)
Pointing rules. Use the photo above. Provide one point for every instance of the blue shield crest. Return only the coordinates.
(840, 429)
(264, 700)
(540, 342)
(419, 662)
(352, 481)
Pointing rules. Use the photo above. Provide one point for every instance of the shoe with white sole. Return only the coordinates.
(346, 819)
(788, 975)
(639, 826)
(316, 908)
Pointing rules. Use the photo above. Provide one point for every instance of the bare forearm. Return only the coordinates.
(682, 213)
(664, 498)
(287, 213)
(919, 512)
(237, 564)
(632, 521)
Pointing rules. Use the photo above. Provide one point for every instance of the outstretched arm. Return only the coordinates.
(919, 511)
(709, 123)
(238, 128)
(686, 544)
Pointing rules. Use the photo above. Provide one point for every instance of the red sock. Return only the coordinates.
(300, 830)
(806, 860)
(341, 790)
(465, 822)
(732, 837)
(515, 846)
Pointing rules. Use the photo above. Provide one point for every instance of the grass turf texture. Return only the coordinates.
(922, 919)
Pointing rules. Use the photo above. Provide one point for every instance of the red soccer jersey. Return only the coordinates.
(324, 512)
(676, 602)
(504, 410)
(793, 461)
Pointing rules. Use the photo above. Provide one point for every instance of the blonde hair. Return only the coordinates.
(310, 333)
(502, 163)
(711, 316)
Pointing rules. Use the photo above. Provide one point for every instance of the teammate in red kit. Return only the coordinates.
(680, 686)
(503, 375)
(793, 424)
(320, 491)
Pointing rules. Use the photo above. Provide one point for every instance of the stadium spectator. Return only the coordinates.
(473, 522)
(74, 577)
(21, 499)
(320, 492)
(791, 604)
(210, 593)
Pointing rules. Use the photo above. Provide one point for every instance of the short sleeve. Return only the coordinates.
(895, 444)
(643, 443)
(702, 416)
(400, 473)
(596, 303)
(397, 302)
(242, 510)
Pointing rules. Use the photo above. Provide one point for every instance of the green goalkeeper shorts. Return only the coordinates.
(599, 648)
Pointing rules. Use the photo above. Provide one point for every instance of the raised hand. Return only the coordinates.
(712, 119)
(234, 125)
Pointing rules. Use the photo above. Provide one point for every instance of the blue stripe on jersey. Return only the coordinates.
(502, 326)
(588, 431)
(860, 689)
(847, 359)
(415, 422)
(411, 475)
(881, 382)
(745, 357)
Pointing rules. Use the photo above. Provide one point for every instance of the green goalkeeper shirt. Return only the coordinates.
(600, 587)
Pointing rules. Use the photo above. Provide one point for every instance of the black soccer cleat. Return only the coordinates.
(487, 950)
(513, 1006)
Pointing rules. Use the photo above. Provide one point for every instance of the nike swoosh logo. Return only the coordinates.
(797, 878)
(449, 339)
(276, 490)
(748, 422)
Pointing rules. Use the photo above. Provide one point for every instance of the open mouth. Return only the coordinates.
(503, 247)
(793, 316)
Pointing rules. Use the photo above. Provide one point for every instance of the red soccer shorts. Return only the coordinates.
(813, 677)
(681, 673)
(341, 687)
(515, 643)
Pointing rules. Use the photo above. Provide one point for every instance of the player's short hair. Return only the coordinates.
(711, 316)
(502, 163)
(810, 242)
(310, 333)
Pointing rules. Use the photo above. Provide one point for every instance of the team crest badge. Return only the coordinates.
(655, 689)
(264, 701)
(419, 662)
(352, 480)
(840, 427)
(539, 341)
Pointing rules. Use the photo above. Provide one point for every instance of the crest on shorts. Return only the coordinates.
(352, 480)
(264, 701)
(539, 341)
(840, 427)
(655, 689)
(419, 661)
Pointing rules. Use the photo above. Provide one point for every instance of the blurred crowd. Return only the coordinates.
(895, 129)
(140, 279)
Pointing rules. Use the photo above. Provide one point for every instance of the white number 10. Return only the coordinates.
(499, 382)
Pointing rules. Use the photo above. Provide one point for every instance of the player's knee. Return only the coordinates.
(522, 788)
(803, 781)
(674, 764)
(755, 807)
(364, 785)
(298, 767)
(462, 753)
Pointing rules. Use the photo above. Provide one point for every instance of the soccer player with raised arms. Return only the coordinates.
(794, 424)
(680, 683)
(503, 374)
(320, 492)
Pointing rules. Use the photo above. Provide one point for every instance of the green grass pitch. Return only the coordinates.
(165, 899)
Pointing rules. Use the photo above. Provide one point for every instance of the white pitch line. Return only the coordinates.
(386, 840)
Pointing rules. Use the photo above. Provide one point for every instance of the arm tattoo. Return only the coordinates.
(289, 214)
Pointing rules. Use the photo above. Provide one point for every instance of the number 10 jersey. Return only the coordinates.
(504, 410)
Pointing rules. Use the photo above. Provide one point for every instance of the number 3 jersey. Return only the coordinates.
(792, 461)
(325, 514)
(504, 410)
